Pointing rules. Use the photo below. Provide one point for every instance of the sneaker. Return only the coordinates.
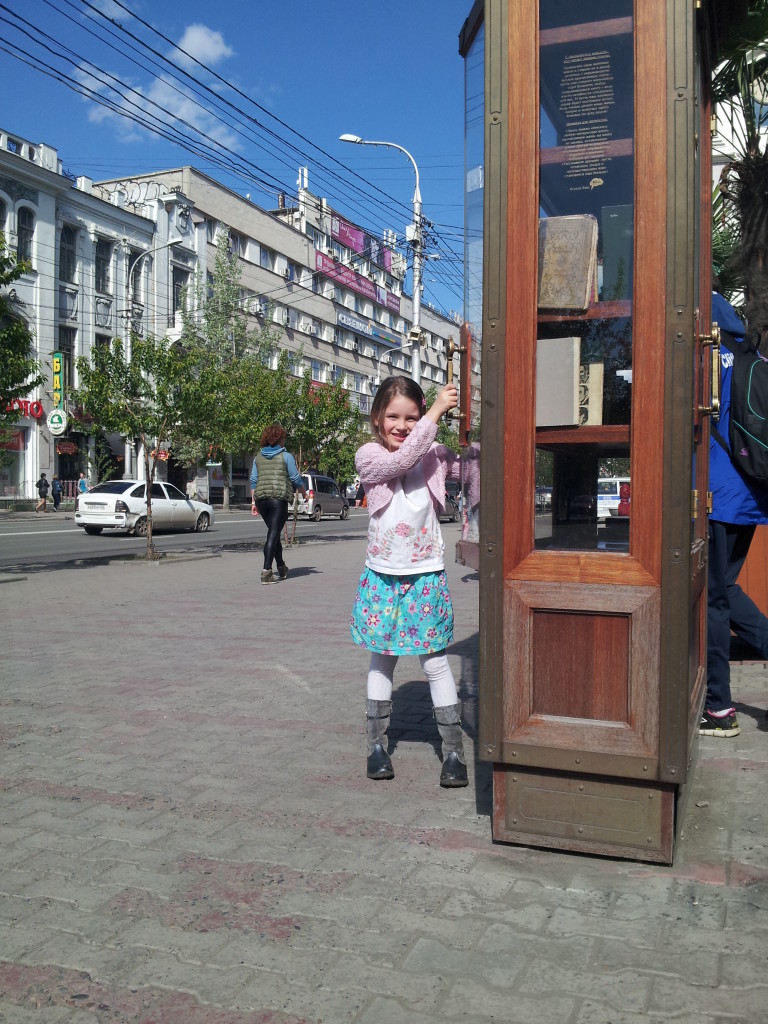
(267, 576)
(721, 725)
(282, 571)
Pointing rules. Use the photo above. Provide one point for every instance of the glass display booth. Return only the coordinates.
(588, 153)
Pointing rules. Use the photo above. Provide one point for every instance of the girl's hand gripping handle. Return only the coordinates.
(446, 400)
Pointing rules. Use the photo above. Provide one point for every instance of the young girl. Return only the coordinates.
(402, 604)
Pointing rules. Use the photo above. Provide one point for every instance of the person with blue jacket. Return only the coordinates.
(739, 505)
(274, 478)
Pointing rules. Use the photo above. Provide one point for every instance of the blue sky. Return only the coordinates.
(272, 87)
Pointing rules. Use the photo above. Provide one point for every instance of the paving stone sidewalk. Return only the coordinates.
(187, 835)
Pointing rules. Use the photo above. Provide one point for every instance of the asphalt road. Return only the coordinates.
(29, 542)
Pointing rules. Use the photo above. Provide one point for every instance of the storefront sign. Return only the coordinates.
(66, 448)
(367, 328)
(58, 380)
(356, 282)
(26, 408)
(57, 422)
(360, 241)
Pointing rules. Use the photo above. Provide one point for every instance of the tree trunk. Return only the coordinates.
(149, 476)
(225, 477)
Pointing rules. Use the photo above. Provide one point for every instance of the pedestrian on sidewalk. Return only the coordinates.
(402, 605)
(739, 505)
(274, 478)
(43, 487)
(56, 492)
(82, 484)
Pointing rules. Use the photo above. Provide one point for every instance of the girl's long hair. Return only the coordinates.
(391, 387)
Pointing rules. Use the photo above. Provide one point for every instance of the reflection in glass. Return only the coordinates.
(586, 201)
(582, 502)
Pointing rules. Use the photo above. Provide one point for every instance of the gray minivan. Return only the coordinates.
(323, 497)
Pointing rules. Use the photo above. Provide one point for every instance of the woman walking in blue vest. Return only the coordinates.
(274, 478)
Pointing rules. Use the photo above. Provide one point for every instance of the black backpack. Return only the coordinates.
(748, 428)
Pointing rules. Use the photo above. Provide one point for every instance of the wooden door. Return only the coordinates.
(586, 622)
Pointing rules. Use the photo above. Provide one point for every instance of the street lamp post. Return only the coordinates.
(414, 335)
(385, 355)
(132, 266)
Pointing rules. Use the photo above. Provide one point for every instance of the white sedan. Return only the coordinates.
(122, 505)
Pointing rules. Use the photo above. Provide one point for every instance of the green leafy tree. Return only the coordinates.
(319, 418)
(740, 212)
(230, 389)
(20, 372)
(137, 396)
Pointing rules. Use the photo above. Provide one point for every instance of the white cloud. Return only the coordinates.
(203, 44)
(169, 102)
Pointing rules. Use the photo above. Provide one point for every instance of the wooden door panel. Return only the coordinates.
(581, 676)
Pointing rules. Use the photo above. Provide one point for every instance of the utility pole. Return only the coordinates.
(414, 235)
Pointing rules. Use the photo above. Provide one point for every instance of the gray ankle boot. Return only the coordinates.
(377, 713)
(454, 770)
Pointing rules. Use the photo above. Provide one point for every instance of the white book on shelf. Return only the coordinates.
(557, 382)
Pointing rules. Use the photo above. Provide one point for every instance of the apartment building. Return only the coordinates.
(110, 256)
(88, 261)
(334, 290)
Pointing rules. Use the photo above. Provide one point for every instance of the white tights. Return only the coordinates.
(442, 686)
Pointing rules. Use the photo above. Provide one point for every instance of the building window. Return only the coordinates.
(236, 244)
(103, 259)
(67, 341)
(67, 254)
(211, 228)
(267, 258)
(136, 264)
(180, 282)
(25, 234)
(102, 341)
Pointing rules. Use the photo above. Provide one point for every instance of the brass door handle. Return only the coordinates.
(453, 348)
(713, 339)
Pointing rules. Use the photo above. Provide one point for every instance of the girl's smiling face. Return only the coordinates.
(399, 418)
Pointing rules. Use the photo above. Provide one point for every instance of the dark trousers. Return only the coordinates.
(729, 608)
(274, 512)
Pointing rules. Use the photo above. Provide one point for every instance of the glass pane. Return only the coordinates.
(585, 280)
(582, 501)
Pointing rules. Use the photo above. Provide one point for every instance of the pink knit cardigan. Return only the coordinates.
(379, 468)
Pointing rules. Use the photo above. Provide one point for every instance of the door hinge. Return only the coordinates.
(709, 503)
(694, 504)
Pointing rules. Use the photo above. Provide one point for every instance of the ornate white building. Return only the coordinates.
(125, 252)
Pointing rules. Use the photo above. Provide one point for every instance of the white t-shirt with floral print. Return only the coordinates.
(404, 539)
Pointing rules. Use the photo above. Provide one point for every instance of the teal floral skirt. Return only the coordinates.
(402, 614)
